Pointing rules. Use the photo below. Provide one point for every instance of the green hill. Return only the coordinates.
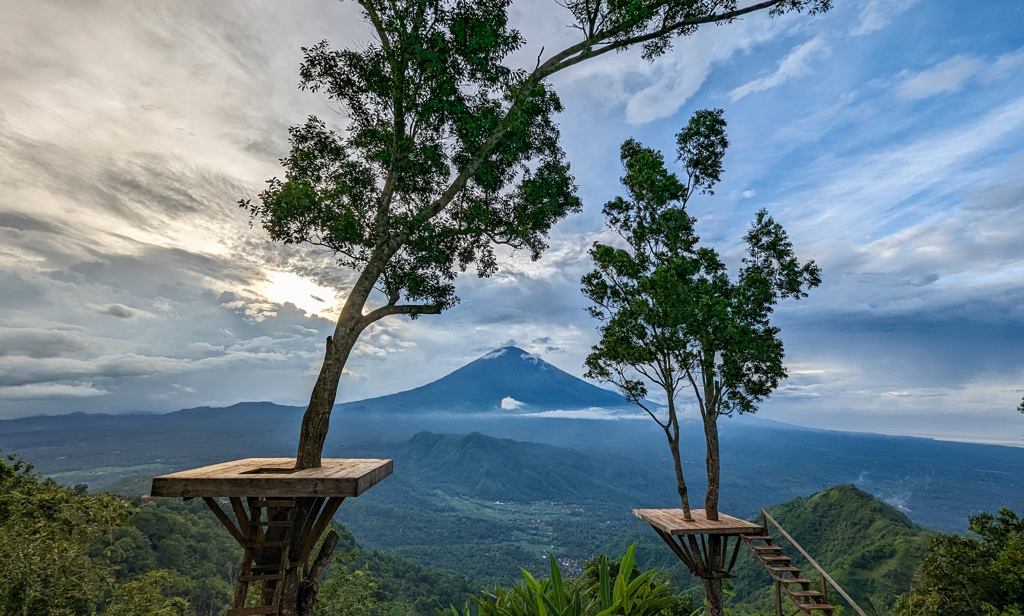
(870, 548)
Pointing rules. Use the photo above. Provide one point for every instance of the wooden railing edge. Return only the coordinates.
(767, 518)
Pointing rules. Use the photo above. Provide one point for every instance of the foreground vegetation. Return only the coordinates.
(65, 552)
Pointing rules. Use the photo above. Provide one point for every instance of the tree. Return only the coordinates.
(46, 532)
(981, 575)
(448, 152)
(670, 313)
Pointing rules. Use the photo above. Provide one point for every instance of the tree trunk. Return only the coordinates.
(714, 596)
(713, 464)
(680, 482)
(316, 419)
(299, 593)
(672, 432)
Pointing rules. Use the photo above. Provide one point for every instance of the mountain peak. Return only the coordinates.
(513, 353)
(505, 380)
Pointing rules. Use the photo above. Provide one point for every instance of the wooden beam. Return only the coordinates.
(326, 514)
(224, 519)
(240, 515)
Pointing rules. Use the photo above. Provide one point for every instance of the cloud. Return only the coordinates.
(796, 64)
(508, 403)
(118, 310)
(598, 414)
(651, 91)
(39, 343)
(877, 14)
(947, 76)
(46, 391)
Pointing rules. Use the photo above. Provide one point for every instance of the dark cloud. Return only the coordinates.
(39, 343)
(118, 310)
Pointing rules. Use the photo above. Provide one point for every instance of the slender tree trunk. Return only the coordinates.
(316, 419)
(713, 464)
(672, 433)
(714, 596)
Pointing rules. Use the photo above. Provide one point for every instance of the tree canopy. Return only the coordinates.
(448, 152)
(981, 574)
(672, 316)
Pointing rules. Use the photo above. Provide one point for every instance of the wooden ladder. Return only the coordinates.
(788, 578)
(267, 546)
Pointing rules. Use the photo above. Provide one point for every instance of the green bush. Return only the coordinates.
(606, 588)
(980, 575)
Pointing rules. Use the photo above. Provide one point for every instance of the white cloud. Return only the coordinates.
(591, 413)
(947, 76)
(877, 14)
(651, 91)
(796, 64)
(508, 403)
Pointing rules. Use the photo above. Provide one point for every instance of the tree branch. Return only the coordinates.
(409, 309)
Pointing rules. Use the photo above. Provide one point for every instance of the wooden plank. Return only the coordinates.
(338, 477)
(246, 611)
(672, 522)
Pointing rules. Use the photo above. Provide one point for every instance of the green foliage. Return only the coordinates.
(605, 589)
(185, 539)
(349, 593)
(60, 549)
(46, 533)
(448, 150)
(670, 313)
(979, 575)
(431, 106)
(146, 596)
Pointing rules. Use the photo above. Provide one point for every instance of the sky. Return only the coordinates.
(887, 136)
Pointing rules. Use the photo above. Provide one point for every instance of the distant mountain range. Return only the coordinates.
(622, 456)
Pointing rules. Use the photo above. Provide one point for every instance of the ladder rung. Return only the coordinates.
(821, 607)
(785, 569)
(794, 581)
(775, 559)
(245, 611)
(804, 593)
(757, 537)
(766, 548)
(252, 577)
(270, 544)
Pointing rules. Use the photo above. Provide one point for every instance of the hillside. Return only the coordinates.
(870, 548)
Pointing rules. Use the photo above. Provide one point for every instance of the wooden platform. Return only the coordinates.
(671, 522)
(274, 477)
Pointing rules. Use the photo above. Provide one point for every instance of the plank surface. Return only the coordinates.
(671, 521)
(273, 477)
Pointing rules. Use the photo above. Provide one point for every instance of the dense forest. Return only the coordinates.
(64, 551)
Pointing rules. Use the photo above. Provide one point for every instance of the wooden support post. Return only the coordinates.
(778, 598)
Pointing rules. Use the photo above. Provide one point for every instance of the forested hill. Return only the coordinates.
(869, 547)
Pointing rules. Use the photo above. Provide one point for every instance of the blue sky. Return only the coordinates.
(886, 135)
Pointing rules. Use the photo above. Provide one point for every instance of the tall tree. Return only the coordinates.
(672, 316)
(448, 152)
(980, 573)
